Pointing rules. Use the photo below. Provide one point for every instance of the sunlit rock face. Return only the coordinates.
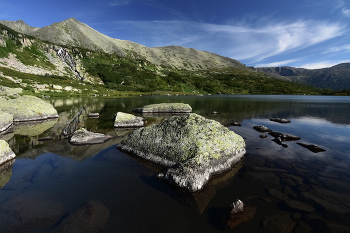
(6, 120)
(6, 154)
(84, 137)
(28, 108)
(192, 147)
(127, 120)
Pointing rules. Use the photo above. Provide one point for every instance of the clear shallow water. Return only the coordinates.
(50, 179)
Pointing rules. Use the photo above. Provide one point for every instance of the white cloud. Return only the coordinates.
(278, 63)
(238, 42)
(346, 12)
(343, 48)
(322, 64)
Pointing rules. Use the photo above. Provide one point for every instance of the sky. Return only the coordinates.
(300, 33)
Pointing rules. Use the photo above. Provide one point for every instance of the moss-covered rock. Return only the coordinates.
(84, 137)
(6, 154)
(165, 107)
(193, 147)
(28, 108)
(6, 120)
(127, 120)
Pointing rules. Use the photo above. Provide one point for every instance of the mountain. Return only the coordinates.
(336, 77)
(20, 26)
(73, 33)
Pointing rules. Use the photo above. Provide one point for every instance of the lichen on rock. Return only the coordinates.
(28, 108)
(127, 120)
(165, 107)
(84, 137)
(192, 147)
(6, 154)
(6, 120)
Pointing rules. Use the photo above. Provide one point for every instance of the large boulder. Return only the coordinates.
(28, 108)
(192, 147)
(6, 120)
(127, 120)
(84, 137)
(165, 108)
(6, 154)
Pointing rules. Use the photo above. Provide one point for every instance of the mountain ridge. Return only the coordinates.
(72, 32)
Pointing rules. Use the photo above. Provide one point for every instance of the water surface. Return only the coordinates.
(50, 179)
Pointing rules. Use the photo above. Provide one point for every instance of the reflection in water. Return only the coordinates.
(285, 186)
(6, 172)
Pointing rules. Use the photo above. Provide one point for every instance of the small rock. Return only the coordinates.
(6, 154)
(234, 123)
(284, 136)
(93, 115)
(236, 206)
(214, 112)
(277, 223)
(237, 218)
(127, 120)
(311, 147)
(263, 136)
(261, 128)
(280, 120)
(84, 137)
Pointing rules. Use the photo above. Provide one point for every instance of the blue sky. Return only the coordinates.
(301, 33)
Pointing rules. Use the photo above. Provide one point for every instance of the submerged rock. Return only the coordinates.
(88, 218)
(236, 206)
(263, 136)
(192, 147)
(28, 108)
(312, 147)
(165, 107)
(280, 120)
(84, 137)
(284, 136)
(6, 154)
(235, 123)
(261, 128)
(6, 120)
(127, 120)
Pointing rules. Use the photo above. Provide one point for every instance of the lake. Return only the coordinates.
(283, 186)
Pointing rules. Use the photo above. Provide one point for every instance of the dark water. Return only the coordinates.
(285, 189)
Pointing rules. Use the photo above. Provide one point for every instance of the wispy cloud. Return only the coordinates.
(346, 12)
(119, 2)
(238, 42)
(279, 63)
(322, 64)
(343, 48)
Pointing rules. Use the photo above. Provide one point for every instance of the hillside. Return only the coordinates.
(42, 67)
(336, 77)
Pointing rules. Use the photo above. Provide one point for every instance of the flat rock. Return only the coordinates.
(84, 137)
(6, 121)
(127, 120)
(298, 205)
(261, 128)
(93, 115)
(284, 136)
(192, 147)
(165, 108)
(6, 154)
(88, 218)
(280, 120)
(312, 147)
(277, 194)
(28, 108)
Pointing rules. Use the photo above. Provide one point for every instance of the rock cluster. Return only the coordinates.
(191, 146)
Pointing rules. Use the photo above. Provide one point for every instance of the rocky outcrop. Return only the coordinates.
(88, 218)
(127, 120)
(6, 120)
(69, 60)
(28, 108)
(192, 147)
(165, 108)
(84, 137)
(6, 154)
